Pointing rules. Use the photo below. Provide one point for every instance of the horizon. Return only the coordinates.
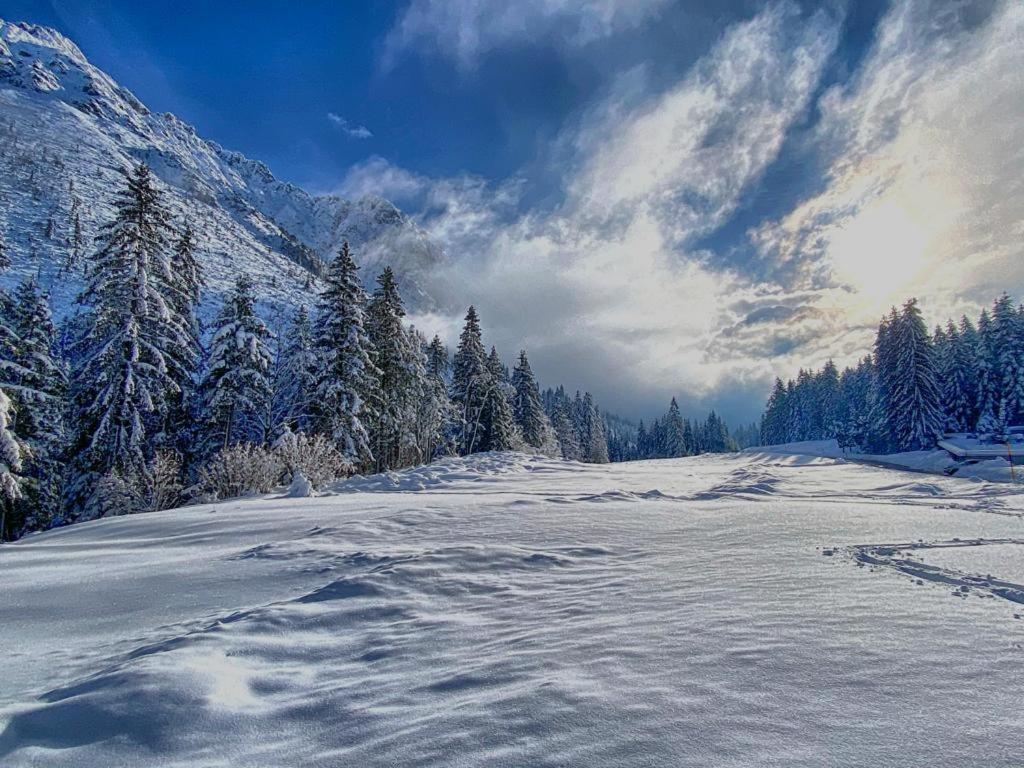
(653, 199)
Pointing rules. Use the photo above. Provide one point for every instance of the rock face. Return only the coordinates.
(67, 131)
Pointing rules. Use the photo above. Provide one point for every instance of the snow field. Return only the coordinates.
(504, 610)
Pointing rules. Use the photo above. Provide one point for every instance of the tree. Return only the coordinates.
(500, 430)
(11, 452)
(39, 388)
(565, 430)
(347, 395)
(915, 397)
(1008, 357)
(675, 438)
(398, 359)
(236, 388)
(295, 376)
(470, 385)
(437, 412)
(594, 444)
(529, 413)
(123, 375)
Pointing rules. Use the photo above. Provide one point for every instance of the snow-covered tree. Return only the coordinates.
(500, 430)
(675, 439)
(533, 422)
(471, 384)
(38, 384)
(594, 444)
(11, 453)
(296, 376)
(125, 363)
(1008, 357)
(347, 395)
(915, 396)
(565, 430)
(236, 388)
(398, 357)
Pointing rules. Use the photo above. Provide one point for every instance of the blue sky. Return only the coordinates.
(655, 197)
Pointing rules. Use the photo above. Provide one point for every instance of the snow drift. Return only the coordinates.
(485, 611)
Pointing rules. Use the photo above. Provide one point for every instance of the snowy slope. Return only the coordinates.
(747, 610)
(66, 131)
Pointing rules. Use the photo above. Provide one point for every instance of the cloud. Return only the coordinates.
(924, 193)
(604, 290)
(611, 288)
(351, 130)
(463, 30)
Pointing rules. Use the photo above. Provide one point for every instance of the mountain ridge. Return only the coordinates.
(68, 130)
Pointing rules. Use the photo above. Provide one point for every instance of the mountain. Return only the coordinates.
(68, 130)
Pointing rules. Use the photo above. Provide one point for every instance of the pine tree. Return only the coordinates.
(594, 444)
(11, 453)
(500, 430)
(39, 390)
(1008, 351)
(529, 413)
(183, 295)
(347, 396)
(915, 394)
(956, 372)
(675, 438)
(295, 377)
(441, 413)
(986, 404)
(471, 384)
(236, 389)
(396, 357)
(565, 430)
(123, 375)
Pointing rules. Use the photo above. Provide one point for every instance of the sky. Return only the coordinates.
(656, 198)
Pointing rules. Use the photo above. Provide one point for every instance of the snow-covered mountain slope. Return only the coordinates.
(66, 132)
(508, 611)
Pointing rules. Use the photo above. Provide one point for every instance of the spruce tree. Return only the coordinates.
(986, 403)
(915, 394)
(236, 389)
(500, 430)
(529, 413)
(395, 355)
(347, 395)
(565, 430)
(595, 445)
(675, 438)
(471, 385)
(1008, 353)
(11, 453)
(125, 361)
(295, 378)
(40, 395)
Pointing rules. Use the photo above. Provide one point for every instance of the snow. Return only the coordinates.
(507, 610)
(996, 470)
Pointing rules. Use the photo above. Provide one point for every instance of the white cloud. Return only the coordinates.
(465, 29)
(925, 183)
(350, 129)
(923, 195)
(602, 290)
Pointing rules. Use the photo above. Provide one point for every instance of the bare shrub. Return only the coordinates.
(314, 456)
(167, 485)
(240, 470)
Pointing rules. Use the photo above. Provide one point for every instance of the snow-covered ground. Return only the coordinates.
(759, 609)
(935, 462)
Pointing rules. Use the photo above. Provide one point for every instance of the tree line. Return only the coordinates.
(134, 406)
(915, 386)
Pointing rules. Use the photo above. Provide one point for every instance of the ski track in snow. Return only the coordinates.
(506, 610)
